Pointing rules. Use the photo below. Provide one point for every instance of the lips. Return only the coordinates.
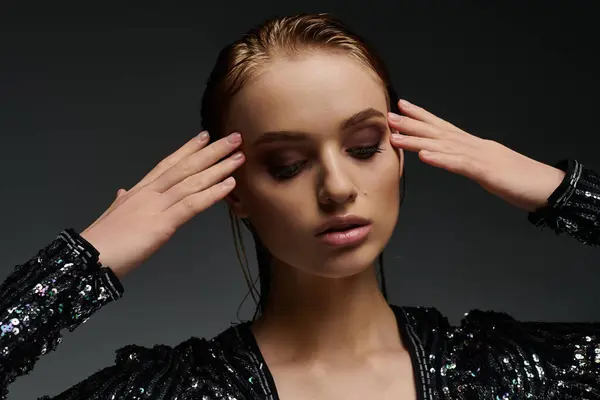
(341, 223)
(343, 227)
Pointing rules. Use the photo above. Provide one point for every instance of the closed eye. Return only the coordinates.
(286, 172)
(364, 152)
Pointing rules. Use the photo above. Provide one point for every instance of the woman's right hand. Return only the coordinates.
(182, 185)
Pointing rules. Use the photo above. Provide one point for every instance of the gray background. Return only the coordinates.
(91, 99)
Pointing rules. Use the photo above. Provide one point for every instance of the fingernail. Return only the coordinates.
(405, 103)
(229, 181)
(397, 136)
(234, 138)
(394, 117)
(238, 155)
(203, 135)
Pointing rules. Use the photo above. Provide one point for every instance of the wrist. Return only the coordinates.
(87, 236)
(571, 170)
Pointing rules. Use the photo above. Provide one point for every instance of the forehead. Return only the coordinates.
(313, 92)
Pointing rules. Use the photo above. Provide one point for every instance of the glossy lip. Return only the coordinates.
(341, 222)
(349, 237)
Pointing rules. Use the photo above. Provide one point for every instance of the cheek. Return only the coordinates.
(384, 194)
(387, 168)
(384, 181)
(281, 218)
(272, 207)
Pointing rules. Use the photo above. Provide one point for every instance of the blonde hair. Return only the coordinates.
(243, 59)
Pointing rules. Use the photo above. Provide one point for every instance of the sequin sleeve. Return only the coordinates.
(58, 289)
(574, 207)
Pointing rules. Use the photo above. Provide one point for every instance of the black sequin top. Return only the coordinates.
(488, 356)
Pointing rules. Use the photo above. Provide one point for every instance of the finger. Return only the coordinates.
(197, 162)
(414, 127)
(184, 210)
(413, 143)
(457, 163)
(422, 114)
(203, 180)
(121, 192)
(191, 147)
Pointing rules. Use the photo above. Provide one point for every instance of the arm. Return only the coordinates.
(540, 359)
(65, 283)
(574, 207)
(59, 288)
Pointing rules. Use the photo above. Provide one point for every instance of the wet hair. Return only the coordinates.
(242, 60)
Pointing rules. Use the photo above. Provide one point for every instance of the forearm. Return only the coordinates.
(58, 289)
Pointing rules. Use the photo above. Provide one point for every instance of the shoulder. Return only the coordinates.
(492, 352)
(477, 327)
(490, 330)
(421, 320)
(482, 339)
(425, 321)
(219, 367)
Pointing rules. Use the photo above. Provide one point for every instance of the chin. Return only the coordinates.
(350, 261)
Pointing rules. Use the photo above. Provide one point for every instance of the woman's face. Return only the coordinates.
(316, 141)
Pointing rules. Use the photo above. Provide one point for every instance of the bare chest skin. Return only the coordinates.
(385, 377)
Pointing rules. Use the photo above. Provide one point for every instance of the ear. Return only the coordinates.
(401, 159)
(235, 204)
(400, 153)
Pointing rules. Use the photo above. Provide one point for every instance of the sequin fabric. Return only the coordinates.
(489, 355)
(575, 206)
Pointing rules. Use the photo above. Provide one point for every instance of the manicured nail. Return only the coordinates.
(405, 103)
(203, 136)
(234, 138)
(394, 117)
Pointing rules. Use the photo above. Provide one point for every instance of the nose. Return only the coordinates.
(336, 186)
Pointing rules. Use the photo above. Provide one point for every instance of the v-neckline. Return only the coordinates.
(407, 335)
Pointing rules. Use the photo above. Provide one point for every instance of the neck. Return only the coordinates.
(315, 318)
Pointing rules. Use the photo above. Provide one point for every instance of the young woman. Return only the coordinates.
(315, 176)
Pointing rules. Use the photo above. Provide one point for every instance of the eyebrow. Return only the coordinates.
(298, 136)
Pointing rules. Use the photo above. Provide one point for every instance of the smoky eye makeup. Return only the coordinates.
(281, 164)
(287, 161)
(367, 134)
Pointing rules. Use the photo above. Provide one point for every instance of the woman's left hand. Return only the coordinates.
(519, 180)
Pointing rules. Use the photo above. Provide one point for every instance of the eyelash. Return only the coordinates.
(289, 171)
